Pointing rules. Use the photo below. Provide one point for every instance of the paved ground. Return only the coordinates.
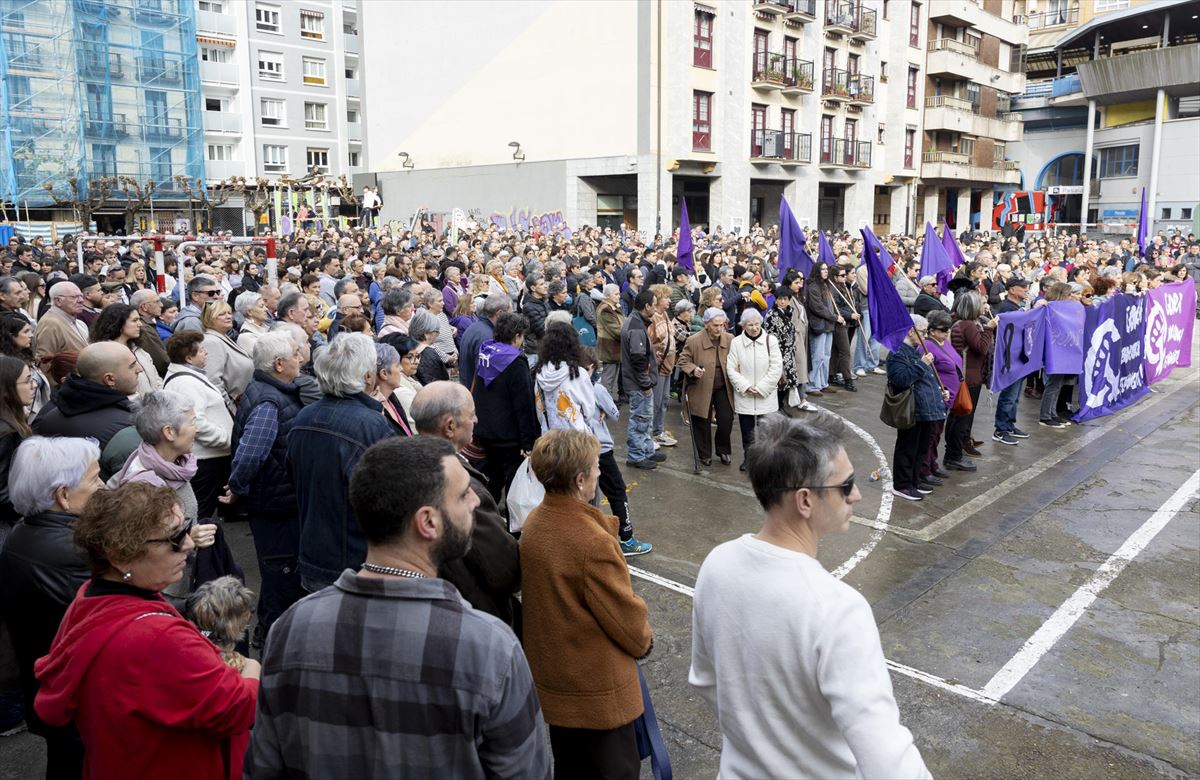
(994, 675)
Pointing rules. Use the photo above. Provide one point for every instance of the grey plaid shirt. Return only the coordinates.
(376, 677)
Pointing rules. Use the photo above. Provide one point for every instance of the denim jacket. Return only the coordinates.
(326, 441)
(904, 370)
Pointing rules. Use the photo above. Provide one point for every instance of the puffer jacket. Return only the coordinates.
(755, 363)
(564, 402)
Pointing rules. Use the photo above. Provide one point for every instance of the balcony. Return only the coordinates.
(778, 146)
(801, 11)
(223, 24)
(835, 85)
(219, 170)
(960, 61)
(159, 70)
(945, 112)
(110, 127)
(845, 153)
(222, 122)
(160, 13)
(100, 64)
(772, 7)
(955, 166)
(24, 124)
(862, 89)
(1046, 19)
(353, 88)
(799, 78)
(970, 13)
(773, 70)
(853, 20)
(219, 73)
(157, 129)
(354, 131)
(1138, 75)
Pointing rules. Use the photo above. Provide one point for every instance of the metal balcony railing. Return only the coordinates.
(804, 7)
(162, 128)
(862, 88)
(949, 44)
(102, 64)
(1052, 18)
(160, 70)
(846, 152)
(110, 127)
(854, 18)
(835, 83)
(778, 69)
(780, 145)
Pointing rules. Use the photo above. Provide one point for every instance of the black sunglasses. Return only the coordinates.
(846, 487)
(176, 539)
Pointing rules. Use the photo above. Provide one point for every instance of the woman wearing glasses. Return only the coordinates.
(149, 694)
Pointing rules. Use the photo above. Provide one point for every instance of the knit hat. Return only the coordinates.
(713, 312)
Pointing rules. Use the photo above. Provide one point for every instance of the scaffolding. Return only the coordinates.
(94, 90)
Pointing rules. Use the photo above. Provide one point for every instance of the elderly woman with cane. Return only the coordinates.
(707, 387)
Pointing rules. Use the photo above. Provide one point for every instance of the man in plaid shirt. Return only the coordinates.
(389, 672)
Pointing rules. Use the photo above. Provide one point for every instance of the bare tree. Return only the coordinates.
(257, 195)
(210, 197)
(137, 197)
(84, 202)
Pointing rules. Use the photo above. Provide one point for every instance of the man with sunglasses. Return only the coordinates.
(201, 291)
(786, 654)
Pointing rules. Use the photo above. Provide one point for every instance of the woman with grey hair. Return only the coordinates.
(754, 366)
(388, 376)
(443, 343)
(909, 368)
(423, 329)
(974, 342)
(347, 366)
(41, 570)
(253, 310)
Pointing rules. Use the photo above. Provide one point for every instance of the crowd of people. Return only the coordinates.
(365, 402)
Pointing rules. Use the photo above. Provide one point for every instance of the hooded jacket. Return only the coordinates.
(82, 407)
(149, 695)
(564, 402)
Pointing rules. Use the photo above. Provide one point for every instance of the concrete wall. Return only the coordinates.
(558, 76)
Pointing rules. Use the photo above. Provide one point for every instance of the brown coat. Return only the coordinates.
(608, 333)
(584, 626)
(662, 339)
(699, 351)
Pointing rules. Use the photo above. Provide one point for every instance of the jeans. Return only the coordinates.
(1054, 386)
(637, 437)
(277, 547)
(1006, 408)
(866, 355)
(662, 393)
(819, 347)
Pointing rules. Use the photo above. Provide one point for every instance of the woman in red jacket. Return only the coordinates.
(149, 694)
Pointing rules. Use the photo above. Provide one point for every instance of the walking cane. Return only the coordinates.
(687, 408)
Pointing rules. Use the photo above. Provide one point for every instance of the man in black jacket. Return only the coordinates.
(535, 306)
(489, 575)
(639, 374)
(928, 299)
(93, 401)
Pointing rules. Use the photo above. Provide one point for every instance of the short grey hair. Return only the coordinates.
(749, 315)
(494, 304)
(278, 344)
(609, 289)
(788, 452)
(342, 367)
(724, 270)
(556, 287)
(287, 288)
(157, 410)
(558, 315)
(245, 302)
(919, 322)
(395, 300)
(385, 356)
(430, 295)
(42, 465)
(142, 296)
(343, 284)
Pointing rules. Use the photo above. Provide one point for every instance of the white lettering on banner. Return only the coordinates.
(1133, 318)
(1131, 352)
(1129, 382)
(1101, 379)
(1174, 302)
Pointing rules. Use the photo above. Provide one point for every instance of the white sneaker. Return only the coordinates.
(656, 444)
(860, 372)
(807, 407)
(879, 370)
(665, 439)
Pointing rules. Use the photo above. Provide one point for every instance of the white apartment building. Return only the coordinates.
(610, 111)
(280, 82)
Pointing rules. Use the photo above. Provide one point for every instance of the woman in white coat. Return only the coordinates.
(754, 367)
(229, 369)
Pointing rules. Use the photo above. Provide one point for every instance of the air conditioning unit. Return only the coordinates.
(773, 145)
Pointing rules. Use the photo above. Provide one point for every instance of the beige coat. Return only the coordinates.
(699, 351)
(229, 368)
(800, 320)
(58, 332)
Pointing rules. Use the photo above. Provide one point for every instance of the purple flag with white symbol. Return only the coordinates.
(494, 357)
(953, 251)
(1114, 374)
(1020, 347)
(1170, 322)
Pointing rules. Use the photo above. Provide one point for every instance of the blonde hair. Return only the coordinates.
(560, 456)
(208, 317)
(222, 609)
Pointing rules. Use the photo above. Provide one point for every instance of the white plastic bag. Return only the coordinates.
(525, 493)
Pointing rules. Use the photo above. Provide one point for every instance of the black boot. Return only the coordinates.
(851, 385)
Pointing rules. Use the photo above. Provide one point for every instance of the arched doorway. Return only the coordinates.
(1066, 173)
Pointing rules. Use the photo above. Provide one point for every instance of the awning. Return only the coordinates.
(216, 41)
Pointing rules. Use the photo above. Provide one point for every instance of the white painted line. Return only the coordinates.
(916, 674)
(1073, 608)
(1009, 486)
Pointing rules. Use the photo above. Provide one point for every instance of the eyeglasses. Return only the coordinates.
(846, 487)
(176, 539)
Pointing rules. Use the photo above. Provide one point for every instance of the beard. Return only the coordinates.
(454, 544)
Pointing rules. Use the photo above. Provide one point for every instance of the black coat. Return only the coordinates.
(505, 408)
(926, 303)
(81, 407)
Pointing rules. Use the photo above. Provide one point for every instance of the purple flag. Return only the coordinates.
(884, 258)
(890, 320)
(1114, 374)
(683, 252)
(953, 251)
(1143, 227)
(934, 260)
(824, 250)
(1020, 346)
(791, 243)
(493, 358)
(1169, 326)
(1065, 321)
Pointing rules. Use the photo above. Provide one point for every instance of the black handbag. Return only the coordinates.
(899, 409)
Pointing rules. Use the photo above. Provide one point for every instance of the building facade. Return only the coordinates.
(1112, 107)
(616, 111)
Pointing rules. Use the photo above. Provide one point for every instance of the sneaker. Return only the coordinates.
(878, 370)
(655, 443)
(961, 465)
(851, 385)
(861, 372)
(645, 465)
(907, 494)
(939, 473)
(1066, 422)
(932, 480)
(924, 489)
(807, 407)
(1055, 423)
(970, 449)
(829, 389)
(658, 457)
(1020, 434)
(632, 546)
(1003, 438)
(666, 439)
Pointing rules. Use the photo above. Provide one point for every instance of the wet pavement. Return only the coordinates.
(959, 584)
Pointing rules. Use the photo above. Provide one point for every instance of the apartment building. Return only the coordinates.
(616, 111)
(1111, 106)
(281, 87)
(973, 69)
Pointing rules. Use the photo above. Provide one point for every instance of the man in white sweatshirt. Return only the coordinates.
(787, 655)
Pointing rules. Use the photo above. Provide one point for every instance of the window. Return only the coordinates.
(999, 151)
(879, 132)
(354, 159)
(220, 152)
(216, 54)
(104, 159)
(270, 65)
(350, 25)
(883, 72)
(1119, 161)
(910, 142)
(318, 158)
(351, 70)
(275, 157)
(1185, 213)
(972, 93)
(160, 164)
(312, 25)
(702, 39)
(314, 71)
(214, 104)
(266, 18)
(914, 25)
(212, 6)
(273, 112)
(758, 129)
(314, 117)
(702, 120)
(826, 138)
(912, 87)
(352, 116)
(1166, 213)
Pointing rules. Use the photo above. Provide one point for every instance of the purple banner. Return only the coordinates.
(1065, 321)
(1020, 345)
(1170, 319)
(1113, 373)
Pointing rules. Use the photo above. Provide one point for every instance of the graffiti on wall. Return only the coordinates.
(528, 220)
